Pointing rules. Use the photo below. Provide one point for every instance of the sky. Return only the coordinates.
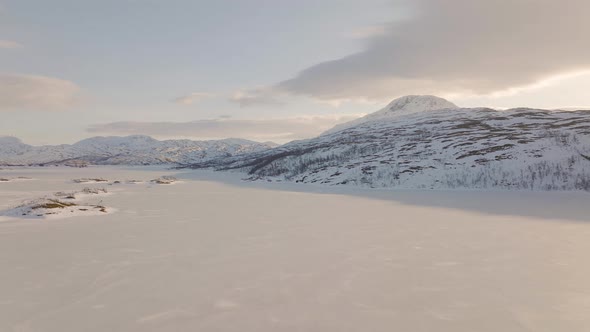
(275, 70)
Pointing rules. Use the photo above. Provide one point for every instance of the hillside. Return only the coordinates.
(424, 147)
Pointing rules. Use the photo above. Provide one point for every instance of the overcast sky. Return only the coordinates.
(275, 69)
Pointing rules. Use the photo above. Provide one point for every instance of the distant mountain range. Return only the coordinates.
(130, 150)
(428, 142)
(414, 142)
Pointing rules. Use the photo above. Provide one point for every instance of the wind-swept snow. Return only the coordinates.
(217, 254)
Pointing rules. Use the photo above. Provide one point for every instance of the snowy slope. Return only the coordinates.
(130, 150)
(422, 147)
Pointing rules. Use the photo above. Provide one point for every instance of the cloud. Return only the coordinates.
(9, 44)
(29, 92)
(257, 97)
(368, 31)
(192, 98)
(457, 47)
(278, 130)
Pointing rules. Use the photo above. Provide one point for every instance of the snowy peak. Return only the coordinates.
(410, 105)
(415, 104)
(9, 140)
(400, 107)
(13, 145)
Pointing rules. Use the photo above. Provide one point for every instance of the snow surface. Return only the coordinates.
(216, 254)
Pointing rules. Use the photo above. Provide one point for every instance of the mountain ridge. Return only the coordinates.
(123, 150)
(448, 148)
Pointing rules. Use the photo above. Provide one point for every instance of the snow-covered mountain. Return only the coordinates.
(428, 142)
(130, 150)
(400, 107)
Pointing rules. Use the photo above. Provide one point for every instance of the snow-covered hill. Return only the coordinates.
(130, 150)
(427, 142)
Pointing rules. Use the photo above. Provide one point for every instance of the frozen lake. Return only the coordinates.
(210, 253)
